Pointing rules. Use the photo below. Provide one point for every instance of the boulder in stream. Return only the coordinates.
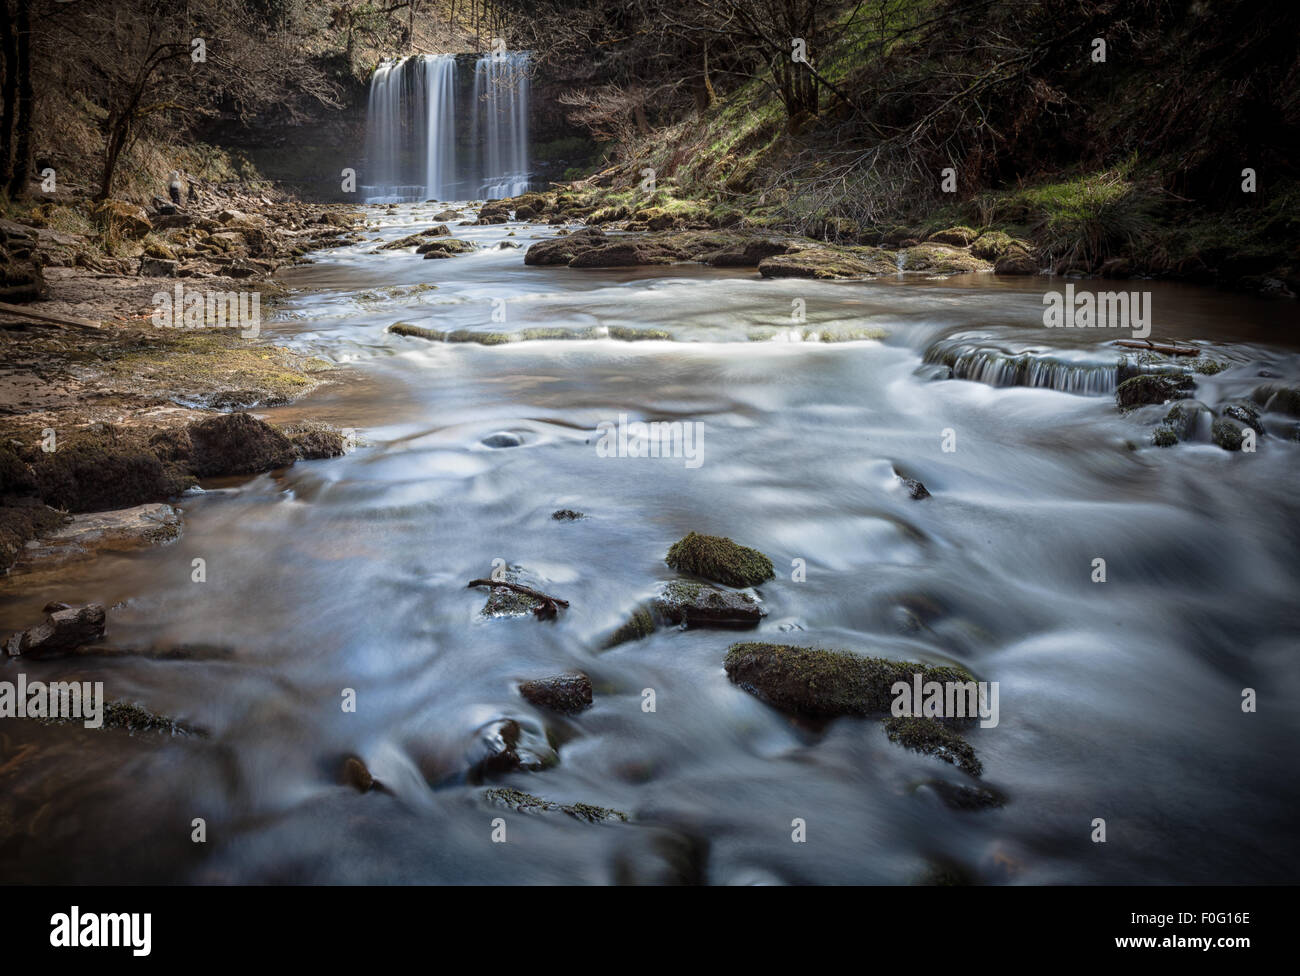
(719, 559)
(820, 683)
(564, 693)
(704, 605)
(1152, 388)
(65, 629)
(934, 738)
(527, 803)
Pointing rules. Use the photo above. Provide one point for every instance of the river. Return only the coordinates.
(1118, 700)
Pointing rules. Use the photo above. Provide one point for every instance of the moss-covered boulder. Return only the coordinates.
(1229, 434)
(821, 683)
(20, 523)
(941, 259)
(237, 443)
(1276, 398)
(702, 605)
(827, 263)
(565, 693)
(628, 254)
(719, 559)
(992, 244)
(102, 468)
(1016, 262)
(954, 236)
(934, 738)
(564, 249)
(1152, 388)
(445, 247)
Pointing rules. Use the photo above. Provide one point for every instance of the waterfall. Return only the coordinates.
(501, 102)
(414, 150)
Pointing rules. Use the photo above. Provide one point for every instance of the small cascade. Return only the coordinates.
(432, 135)
(1090, 373)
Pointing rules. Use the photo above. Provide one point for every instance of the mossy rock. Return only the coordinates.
(21, 522)
(99, 469)
(1229, 434)
(933, 738)
(825, 263)
(993, 244)
(527, 803)
(719, 559)
(942, 259)
(640, 624)
(1276, 398)
(820, 683)
(703, 605)
(565, 693)
(1152, 388)
(1179, 423)
(1016, 262)
(954, 236)
(237, 443)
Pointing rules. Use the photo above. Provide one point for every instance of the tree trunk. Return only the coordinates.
(9, 94)
(26, 98)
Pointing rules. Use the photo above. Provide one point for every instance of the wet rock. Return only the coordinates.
(20, 522)
(314, 442)
(448, 215)
(1244, 412)
(562, 250)
(626, 254)
(719, 559)
(63, 632)
(501, 439)
(1152, 388)
(507, 746)
(827, 263)
(702, 605)
(749, 257)
(507, 246)
(1229, 434)
(1276, 398)
(1016, 262)
(116, 531)
(567, 515)
(356, 775)
(915, 490)
(967, 797)
(527, 803)
(237, 443)
(823, 684)
(933, 738)
(1180, 422)
(640, 624)
(135, 718)
(103, 468)
(566, 693)
(994, 244)
(445, 247)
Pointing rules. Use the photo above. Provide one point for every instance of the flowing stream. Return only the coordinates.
(1118, 700)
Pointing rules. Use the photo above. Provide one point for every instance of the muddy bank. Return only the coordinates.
(115, 397)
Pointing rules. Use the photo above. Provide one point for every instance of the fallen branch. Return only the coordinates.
(65, 320)
(1170, 350)
(520, 588)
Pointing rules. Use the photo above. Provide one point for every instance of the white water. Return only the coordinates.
(415, 150)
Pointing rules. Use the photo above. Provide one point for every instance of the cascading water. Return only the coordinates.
(501, 100)
(414, 150)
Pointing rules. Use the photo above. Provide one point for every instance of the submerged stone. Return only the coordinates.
(356, 775)
(565, 693)
(527, 803)
(933, 738)
(1152, 388)
(719, 559)
(640, 624)
(823, 684)
(65, 629)
(702, 605)
(505, 746)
